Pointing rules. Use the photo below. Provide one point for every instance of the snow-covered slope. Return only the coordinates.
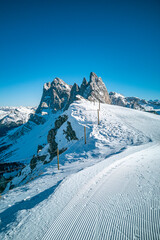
(120, 201)
(121, 153)
(11, 117)
(56, 98)
(135, 103)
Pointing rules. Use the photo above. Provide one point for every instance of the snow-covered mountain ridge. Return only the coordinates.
(152, 106)
(11, 117)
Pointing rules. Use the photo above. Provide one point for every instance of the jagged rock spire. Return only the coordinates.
(96, 90)
(55, 96)
(74, 91)
(83, 86)
(93, 77)
(58, 95)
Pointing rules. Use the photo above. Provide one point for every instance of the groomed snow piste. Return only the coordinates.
(106, 189)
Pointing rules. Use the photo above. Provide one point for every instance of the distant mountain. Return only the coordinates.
(12, 117)
(135, 103)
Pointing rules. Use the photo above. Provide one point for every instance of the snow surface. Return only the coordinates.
(106, 189)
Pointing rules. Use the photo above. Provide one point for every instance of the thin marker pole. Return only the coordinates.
(58, 157)
(85, 135)
(98, 115)
(99, 105)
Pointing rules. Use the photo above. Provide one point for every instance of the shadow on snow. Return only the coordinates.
(9, 215)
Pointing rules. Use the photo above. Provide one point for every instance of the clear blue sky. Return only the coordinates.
(39, 40)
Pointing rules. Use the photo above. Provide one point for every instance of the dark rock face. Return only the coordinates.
(74, 92)
(37, 119)
(83, 87)
(59, 122)
(3, 183)
(51, 138)
(40, 147)
(70, 133)
(52, 135)
(52, 143)
(4, 129)
(33, 162)
(11, 168)
(35, 159)
(5, 147)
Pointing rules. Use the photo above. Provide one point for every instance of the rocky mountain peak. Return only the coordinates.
(57, 81)
(93, 77)
(55, 96)
(46, 86)
(59, 84)
(58, 95)
(96, 90)
(83, 86)
(74, 92)
(84, 82)
(75, 88)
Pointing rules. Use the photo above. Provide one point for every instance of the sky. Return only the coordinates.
(39, 40)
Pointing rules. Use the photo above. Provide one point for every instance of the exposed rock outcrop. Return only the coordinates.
(35, 160)
(7, 172)
(70, 133)
(95, 89)
(74, 92)
(52, 135)
(83, 87)
(3, 183)
(58, 95)
(55, 97)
